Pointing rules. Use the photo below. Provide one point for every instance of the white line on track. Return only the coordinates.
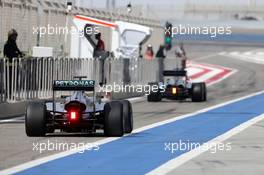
(205, 57)
(42, 160)
(251, 59)
(178, 161)
(253, 56)
(193, 70)
(17, 119)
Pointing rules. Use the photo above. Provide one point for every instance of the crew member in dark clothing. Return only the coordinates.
(161, 55)
(10, 49)
(99, 52)
(100, 46)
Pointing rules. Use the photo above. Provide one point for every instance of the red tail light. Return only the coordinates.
(73, 115)
(174, 90)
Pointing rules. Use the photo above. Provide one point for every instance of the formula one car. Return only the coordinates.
(178, 87)
(79, 112)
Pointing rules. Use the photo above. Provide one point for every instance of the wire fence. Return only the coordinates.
(32, 78)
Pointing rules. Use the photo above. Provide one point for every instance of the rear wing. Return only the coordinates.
(175, 73)
(73, 85)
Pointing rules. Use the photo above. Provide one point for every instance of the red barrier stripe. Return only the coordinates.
(96, 21)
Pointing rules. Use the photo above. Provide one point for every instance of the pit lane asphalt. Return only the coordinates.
(16, 147)
(245, 157)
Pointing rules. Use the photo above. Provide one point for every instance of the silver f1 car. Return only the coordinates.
(78, 112)
(178, 87)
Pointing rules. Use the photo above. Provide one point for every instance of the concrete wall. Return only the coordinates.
(24, 15)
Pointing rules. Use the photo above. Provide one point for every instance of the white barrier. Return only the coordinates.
(32, 78)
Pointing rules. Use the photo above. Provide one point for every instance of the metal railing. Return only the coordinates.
(32, 78)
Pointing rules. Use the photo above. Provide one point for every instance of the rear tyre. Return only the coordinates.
(205, 91)
(113, 119)
(35, 122)
(128, 116)
(198, 92)
(154, 96)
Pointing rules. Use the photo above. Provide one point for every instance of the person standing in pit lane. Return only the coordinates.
(11, 51)
(180, 53)
(160, 55)
(149, 54)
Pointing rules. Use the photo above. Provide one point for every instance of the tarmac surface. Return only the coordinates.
(245, 157)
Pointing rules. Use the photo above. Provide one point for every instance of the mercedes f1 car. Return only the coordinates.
(178, 87)
(78, 112)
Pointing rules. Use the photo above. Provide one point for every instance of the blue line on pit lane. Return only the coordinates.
(142, 152)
